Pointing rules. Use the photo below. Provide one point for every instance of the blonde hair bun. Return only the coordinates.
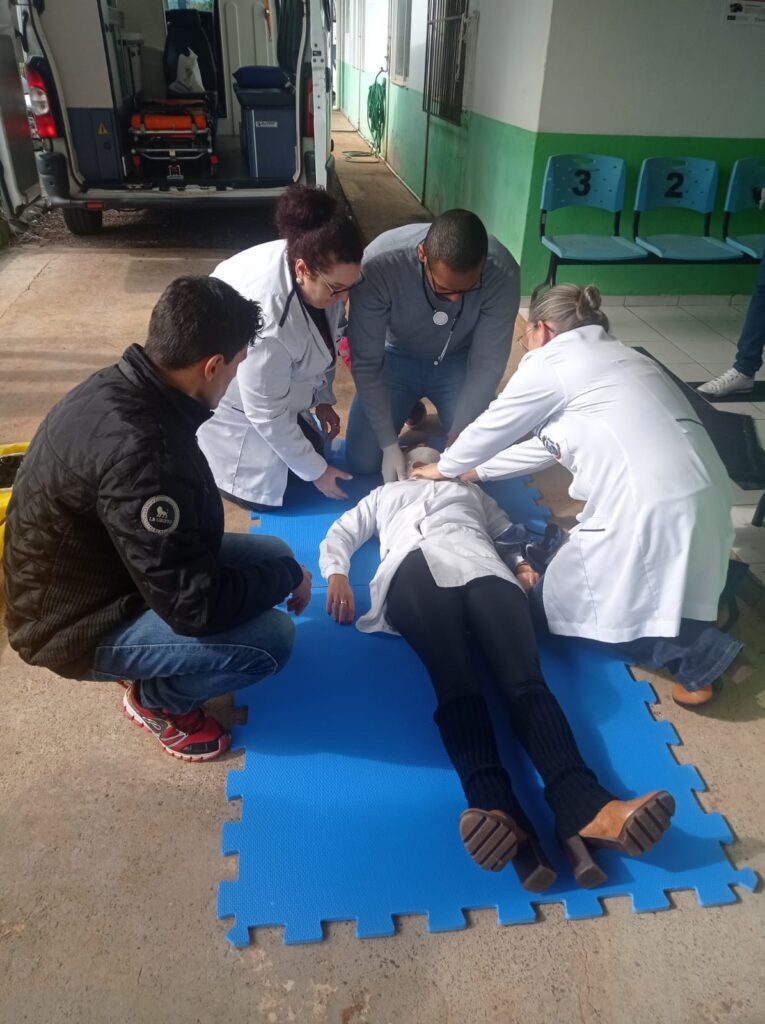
(588, 301)
(569, 306)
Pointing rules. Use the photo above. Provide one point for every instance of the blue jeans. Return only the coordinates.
(179, 673)
(407, 379)
(752, 341)
(698, 655)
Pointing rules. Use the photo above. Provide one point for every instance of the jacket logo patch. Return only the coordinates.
(160, 514)
(551, 446)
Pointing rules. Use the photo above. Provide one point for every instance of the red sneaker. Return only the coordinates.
(194, 736)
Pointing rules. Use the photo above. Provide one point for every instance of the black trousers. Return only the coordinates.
(444, 625)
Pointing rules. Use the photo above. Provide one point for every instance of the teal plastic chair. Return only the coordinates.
(687, 183)
(746, 191)
(585, 179)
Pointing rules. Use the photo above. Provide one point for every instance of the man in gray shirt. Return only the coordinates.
(433, 318)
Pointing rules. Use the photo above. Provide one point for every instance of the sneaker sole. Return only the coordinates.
(223, 746)
(643, 829)
(697, 709)
(730, 391)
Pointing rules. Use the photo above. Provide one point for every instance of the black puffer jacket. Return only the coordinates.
(115, 510)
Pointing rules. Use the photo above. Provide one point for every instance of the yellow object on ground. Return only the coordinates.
(5, 492)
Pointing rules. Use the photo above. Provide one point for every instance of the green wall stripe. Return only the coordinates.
(496, 170)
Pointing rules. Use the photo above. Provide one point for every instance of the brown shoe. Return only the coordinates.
(490, 837)
(494, 838)
(631, 826)
(695, 700)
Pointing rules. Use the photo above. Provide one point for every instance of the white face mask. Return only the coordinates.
(421, 454)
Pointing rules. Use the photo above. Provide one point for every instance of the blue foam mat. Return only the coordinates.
(350, 806)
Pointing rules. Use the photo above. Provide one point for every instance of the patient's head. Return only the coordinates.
(420, 456)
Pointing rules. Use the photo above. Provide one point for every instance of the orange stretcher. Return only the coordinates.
(177, 133)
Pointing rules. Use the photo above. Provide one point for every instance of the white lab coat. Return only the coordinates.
(254, 438)
(654, 537)
(453, 523)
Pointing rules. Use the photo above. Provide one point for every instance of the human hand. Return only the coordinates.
(327, 482)
(429, 472)
(393, 464)
(526, 576)
(471, 477)
(301, 595)
(328, 419)
(340, 603)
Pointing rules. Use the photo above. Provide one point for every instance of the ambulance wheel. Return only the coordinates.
(82, 222)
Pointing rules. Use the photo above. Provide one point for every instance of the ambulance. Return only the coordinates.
(140, 104)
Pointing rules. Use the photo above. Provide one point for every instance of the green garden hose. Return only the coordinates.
(376, 112)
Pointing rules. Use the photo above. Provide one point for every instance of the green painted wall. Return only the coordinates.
(406, 125)
(496, 170)
(485, 166)
(354, 87)
(348, 92)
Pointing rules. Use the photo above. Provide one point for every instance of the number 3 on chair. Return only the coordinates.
(584, 186)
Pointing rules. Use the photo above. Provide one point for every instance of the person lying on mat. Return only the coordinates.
(263, 428)
(645, 567)
(116, 564)
(441, 584)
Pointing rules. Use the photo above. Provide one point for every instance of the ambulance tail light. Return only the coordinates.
(41, 100)
(309, 109)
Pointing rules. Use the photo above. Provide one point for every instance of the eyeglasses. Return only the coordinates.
(339, 291)
(523, 337)
(443, 293)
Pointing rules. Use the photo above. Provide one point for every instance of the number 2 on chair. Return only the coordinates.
(584, 186)
(676, 180)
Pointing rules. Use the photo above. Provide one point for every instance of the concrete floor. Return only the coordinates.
(110, 850)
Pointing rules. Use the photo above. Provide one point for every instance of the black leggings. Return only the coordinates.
(438, 623)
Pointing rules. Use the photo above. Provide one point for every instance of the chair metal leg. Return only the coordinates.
(552, 270)
(549, 281)
(759, 513)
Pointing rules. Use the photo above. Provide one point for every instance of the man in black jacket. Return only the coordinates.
(116, 563)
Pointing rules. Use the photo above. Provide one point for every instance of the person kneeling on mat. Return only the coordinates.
(116, 563)
(441, 579)
(646, 565)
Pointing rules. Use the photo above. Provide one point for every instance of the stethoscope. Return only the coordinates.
(441, 318)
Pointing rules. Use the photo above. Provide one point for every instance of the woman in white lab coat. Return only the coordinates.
(263, 427)
(442, 585)
(644, 568)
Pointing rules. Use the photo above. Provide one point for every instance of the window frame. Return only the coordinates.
(400, 77)
(445, 45)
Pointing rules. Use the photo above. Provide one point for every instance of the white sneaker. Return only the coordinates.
(729, 383)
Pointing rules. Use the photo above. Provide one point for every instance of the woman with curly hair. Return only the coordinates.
(263, 427)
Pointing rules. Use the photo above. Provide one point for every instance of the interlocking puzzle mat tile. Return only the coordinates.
(350, 807)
